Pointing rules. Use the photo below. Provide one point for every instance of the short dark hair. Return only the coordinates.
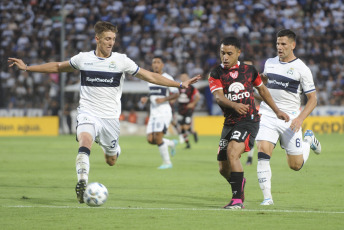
(287, 33)
(160, 57)
(231, 41)
(102, 26)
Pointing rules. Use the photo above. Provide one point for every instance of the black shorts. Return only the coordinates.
(245, 131)
(185, 119)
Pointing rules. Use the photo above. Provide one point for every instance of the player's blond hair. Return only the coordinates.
(102, 26)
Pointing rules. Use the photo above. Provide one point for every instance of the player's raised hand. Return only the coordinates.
(240, 108)
(282, 115)
(18, 62)
(185, 84)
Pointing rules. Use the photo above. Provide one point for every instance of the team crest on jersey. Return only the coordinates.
(112, 65)
(234, 75)
(290, 71)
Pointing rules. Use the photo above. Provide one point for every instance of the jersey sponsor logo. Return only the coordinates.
(97, 79)
(234, 92)
(100, 79)
(276, 81)
(234, 75)
(183, 98)
(282, 84)
(159, 91)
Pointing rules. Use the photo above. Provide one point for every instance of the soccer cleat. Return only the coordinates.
(195, 137)
(173, 149)
(267, 201)
(242, 196)
(80, 189)
(234, 204)
(165, 166)
(314, 143)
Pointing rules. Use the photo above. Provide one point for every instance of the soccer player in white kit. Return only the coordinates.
(287, 77)
(102, 75)
(160, 115)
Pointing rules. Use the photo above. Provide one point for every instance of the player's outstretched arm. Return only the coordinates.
(50, 67)
(221, 100)
(265, 94)
(160, 80)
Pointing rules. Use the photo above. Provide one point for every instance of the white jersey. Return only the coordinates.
(102, 82)
(286, 82)
(158, 91)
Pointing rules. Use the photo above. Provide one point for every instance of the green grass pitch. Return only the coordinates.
(37, 181)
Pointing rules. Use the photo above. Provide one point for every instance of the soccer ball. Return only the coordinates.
(95, 194)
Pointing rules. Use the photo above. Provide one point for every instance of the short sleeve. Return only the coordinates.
(214, 82)
(75, 61)
(258, 81)
(130, 66)
(307, 81)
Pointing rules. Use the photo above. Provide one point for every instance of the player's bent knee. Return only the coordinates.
(111, 160)
(296, 166)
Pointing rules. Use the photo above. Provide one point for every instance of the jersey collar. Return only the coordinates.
(233, 67)
(100, 57)
(281, 62)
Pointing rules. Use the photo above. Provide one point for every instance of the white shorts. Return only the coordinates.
(158, 124)
(105, 132)
(271, 129)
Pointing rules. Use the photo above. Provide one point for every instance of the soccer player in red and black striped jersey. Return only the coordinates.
(232, 84)
(187, 101)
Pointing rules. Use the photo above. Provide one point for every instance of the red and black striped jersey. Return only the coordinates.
(237, 84)
(186, 96)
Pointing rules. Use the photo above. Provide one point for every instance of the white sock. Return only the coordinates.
(305, 151)
(82, 166)
(163, 148)
(169, 142)
(250, 153)
(264, 177)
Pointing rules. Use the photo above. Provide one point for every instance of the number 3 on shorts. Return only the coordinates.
(113, 143)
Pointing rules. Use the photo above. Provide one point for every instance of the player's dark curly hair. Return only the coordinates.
(159, 57)
(231, 41)
(287, 33)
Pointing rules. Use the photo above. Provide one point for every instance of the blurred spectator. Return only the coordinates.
(185, 32)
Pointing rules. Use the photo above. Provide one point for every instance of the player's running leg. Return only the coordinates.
(264, 177)
(166, 161)
(82, 170)
(250, 157)
(172, 144)
(85, 136)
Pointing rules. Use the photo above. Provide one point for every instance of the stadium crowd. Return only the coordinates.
(184, 32)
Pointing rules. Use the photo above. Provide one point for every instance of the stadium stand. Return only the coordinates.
(185, 32)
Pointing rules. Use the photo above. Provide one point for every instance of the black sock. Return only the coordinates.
(263, 156)
(236, 183)
(84, 150)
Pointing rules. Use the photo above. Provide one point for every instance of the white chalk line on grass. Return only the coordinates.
(173, 209)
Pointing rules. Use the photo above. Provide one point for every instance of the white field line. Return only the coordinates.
(173, 209)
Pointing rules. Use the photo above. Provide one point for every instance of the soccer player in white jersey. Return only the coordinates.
(287, 77)
(102, 75)
(160, 115)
